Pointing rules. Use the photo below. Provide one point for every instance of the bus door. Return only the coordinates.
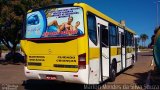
(104, 52)
(123, 48)
(120, 31)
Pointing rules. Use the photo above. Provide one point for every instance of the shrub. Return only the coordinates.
(14, 57)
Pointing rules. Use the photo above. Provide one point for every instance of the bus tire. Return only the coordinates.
(113, 72)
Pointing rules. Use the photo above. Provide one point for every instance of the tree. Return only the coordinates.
(143, 38)
(11, 18)
(12, 13)
(153, 38)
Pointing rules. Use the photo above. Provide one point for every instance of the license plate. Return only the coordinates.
(51, 77)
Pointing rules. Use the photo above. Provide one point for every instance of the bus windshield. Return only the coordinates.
(55, 22)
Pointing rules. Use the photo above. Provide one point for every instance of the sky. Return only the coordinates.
(139, 15)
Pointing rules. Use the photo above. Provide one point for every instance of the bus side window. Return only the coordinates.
(104, 37)
(127, 36)
(133, 42)
(113, 32)
(92, 29)
(129, 39)
(122, 40)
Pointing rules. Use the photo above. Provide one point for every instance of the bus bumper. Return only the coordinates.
(73, 77)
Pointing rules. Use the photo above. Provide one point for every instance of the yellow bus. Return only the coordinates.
(75, 43)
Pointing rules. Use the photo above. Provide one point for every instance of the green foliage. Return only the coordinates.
(143, 38)
(154, 36)
(4, 48)
(11, 18)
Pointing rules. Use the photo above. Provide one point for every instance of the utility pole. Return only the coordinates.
(157, 12)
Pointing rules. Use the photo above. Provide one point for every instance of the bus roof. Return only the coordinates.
(98, 13)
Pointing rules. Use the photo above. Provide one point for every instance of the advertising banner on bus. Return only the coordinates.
(55, 22)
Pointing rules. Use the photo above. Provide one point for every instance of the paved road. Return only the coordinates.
(135, 78)
(10, 74)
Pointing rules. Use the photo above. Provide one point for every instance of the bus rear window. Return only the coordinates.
(55, 22)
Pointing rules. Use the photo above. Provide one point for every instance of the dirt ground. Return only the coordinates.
(12, 75)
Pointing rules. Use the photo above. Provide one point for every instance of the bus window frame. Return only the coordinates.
(96, 42)
(129, 39)
(116, 36)
(105, 37)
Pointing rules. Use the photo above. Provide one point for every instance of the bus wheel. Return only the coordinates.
(113, 72)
